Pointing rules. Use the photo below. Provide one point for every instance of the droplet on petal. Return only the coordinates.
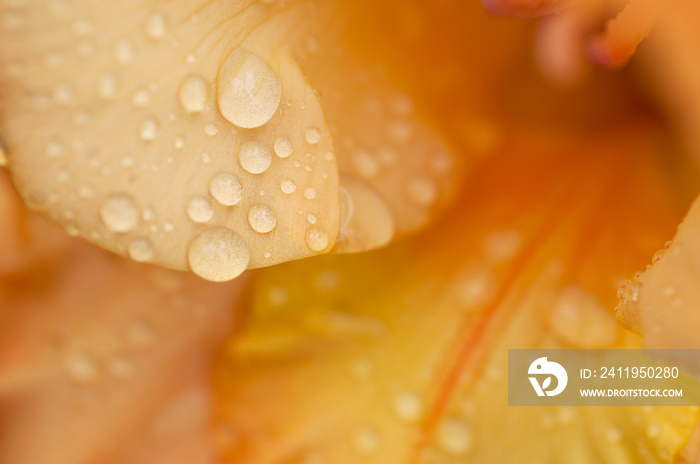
(218, 255)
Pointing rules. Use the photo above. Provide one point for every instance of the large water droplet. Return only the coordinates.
(254, 157)
(262, 219)
(119, 212)
(249, 91)
(193, 93)
(218, 255)
(226, 188)
(317, 239)
(200, 209)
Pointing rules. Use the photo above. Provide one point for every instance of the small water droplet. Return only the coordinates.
(254, 157)
(262, 219)
(193, 93)
(311, 219)
(288, 186)
(139, 334)
(155, 26)
(653, 431)
(278, 296)
(613, 435)
(283, 147)
(312, 135)
(211, 130)
(141, 98)
(120, 367)
(226, 188)
(148, 131)
(454, 436)
(123, 52)
(140, 250)
(422, 191)
(365, 164)
(317, 239)
(366, 441)
(408, 406)
(218, 255)
(119, 212)
(249, 91)
(80, 368)
(107, 86)
(310, 193)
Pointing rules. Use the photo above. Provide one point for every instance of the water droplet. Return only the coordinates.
(200, 209)
(63, 94)
(53, 149)
(366, 441)
(80, 368)
(422, 191)
(211, 130)
(140, 334)
(123, 52)
(120, 367)
(155, 26)
(311, 219)
(613, 435)
(140, 250)
(476, 288)
(310, 193)
(401, 131)
(454, 436)
(218, 255)
(580, 320)
(262, 219)
(226, 188)
(288, 186)
(502, 245)
(148, 130)
(408, 407)
(119, 212)
(317, 239)
(141, 98)
(107, 86)
(653, 431)
(254, 157)
(278, 296)
(283, 147)
(249, 91)
(365, 165)
(193, 93)
(313, 135)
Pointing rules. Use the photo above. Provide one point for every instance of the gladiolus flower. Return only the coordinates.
(421, 192)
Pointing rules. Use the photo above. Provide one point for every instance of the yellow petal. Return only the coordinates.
(399, 356)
